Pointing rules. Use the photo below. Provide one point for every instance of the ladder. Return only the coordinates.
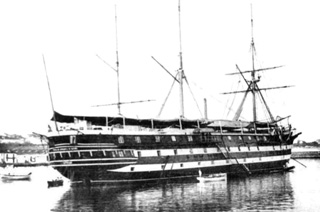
(164, 167)
(228, 157)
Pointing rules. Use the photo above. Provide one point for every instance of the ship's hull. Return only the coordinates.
(131, 160)
(98, 174)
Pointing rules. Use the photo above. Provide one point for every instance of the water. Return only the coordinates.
(294, 191)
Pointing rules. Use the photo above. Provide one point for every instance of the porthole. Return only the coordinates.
(229, 137)
(120, 139)
(249, 137)
(73, 139)
(173, 138)
(157, 138)
(137, 139)
(190, 139)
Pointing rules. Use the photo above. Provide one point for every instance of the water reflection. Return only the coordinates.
(265, 192)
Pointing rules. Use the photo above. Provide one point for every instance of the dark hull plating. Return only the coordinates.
(132, 158)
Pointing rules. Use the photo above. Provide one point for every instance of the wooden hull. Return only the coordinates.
(96, 174)
(125, 157)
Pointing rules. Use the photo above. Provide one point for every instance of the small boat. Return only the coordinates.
(212, 177)
(16, 177)
(55, 183)
(285, 169)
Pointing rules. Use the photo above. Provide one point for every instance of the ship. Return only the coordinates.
(92, 149)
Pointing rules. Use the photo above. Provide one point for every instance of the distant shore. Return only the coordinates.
(305, 152)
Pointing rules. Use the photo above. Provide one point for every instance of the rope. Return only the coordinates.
(165, 101)
(193, 97)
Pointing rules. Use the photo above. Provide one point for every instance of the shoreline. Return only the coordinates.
(305, 152)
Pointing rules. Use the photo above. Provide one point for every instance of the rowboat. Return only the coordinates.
(212, 177)
(55, 183)
(16, 177)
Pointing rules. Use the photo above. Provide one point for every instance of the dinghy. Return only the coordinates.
(16, 177)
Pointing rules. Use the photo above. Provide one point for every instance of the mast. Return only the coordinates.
(181, 72)
(253, 74)
(253, 84)
(117, 58)
(180, 76)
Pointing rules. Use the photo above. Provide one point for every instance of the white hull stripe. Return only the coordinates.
(95, 159)
(193, 151)
(91, 164)
(199, 164)
(182, 165)
(184, 151)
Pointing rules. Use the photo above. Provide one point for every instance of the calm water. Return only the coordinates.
(295, 191)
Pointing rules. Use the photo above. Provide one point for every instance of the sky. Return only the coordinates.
(215, 37)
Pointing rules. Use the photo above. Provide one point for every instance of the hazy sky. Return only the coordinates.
(216, 36)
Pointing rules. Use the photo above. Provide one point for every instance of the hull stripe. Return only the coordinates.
(182, 165)
(92, 164)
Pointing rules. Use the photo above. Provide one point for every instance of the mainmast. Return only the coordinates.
(179, 77)
(181, 72)
(253, 74)
(117, 62)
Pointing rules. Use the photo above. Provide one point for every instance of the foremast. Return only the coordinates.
(253, 85)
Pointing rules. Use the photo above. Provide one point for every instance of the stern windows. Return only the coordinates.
(85, 155)
(97, 154)
(190, 139)
(52, 156)
(66, 155)
(75, 155)
(58, 156)
(128, 153)
(120, 153)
